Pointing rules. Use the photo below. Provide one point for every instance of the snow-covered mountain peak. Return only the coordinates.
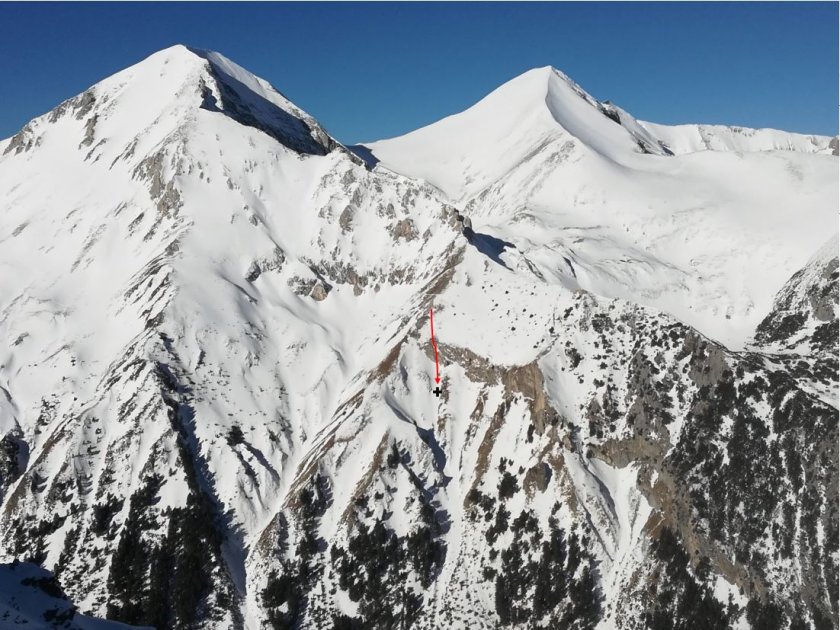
(465, 153)
(534, 89)
(131, 113)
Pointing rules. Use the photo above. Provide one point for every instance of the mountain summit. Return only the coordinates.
(465, 153)
(218, 405)
(163, 92)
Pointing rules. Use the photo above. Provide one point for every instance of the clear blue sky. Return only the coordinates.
(369, 71)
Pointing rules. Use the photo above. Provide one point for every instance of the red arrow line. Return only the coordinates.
(434, 344)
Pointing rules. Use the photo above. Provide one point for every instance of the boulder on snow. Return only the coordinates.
(320, 291)
(404, 229)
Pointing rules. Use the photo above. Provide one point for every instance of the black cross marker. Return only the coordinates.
(437, 390)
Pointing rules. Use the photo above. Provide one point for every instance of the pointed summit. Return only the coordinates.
(157, 97)
(464, 153)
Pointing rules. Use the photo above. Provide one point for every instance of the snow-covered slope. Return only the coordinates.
(592, 198)
(690, 138)
(216, 405)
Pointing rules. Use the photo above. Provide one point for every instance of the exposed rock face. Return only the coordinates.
(405, 229)
(21, 141)
(269, 263)
(537, 478)
(345, 220)
(319, 292)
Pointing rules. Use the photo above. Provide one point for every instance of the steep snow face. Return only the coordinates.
(216, 405)
(593, 199)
